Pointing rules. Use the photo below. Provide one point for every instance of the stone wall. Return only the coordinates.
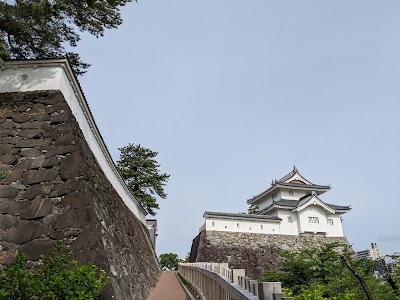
(55, 190)
(254, 252)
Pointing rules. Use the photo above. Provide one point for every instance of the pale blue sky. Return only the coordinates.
(232, 94)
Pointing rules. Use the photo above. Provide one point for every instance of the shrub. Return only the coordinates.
(57, 277)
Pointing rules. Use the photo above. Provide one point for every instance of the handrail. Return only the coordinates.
(216, 281)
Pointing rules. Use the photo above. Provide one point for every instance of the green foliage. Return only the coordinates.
(253, 209)
(3, 174)
(169, 261)
(318, 272)
(43, 28)
(141, 173)
(317, 293)
(57, 277)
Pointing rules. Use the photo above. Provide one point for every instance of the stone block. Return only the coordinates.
(58, 107)
(72, 185)
(9, 207)
(34, 190)
(65, 139)
(7, 132)
(7, 221)
(40, 117)
(5, 148)
(30, 133)
(20, 117)
(7, 124)
(71, 166)
(77, 199)
(60, 118)
(24, 233)
(62, 150)
(7, 191)
(39, 207)
(9, 140)
(12, 177)
(36, 176)
(36, 248)
(35, 163)
(77, 218)
(28, 143)
(31, 152)
(7, 159)
(34, 125)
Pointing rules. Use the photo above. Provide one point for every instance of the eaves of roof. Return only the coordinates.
(293, 186)
(249, 217)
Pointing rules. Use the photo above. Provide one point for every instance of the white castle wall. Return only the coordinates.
(23, 76)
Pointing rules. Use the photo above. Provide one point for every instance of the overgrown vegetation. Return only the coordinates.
(57, 277)
(329, 272)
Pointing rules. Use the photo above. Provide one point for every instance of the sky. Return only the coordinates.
(232, 94)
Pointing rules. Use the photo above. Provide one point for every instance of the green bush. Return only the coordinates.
(57, 277)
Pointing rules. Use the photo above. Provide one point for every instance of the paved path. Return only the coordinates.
(168, 288)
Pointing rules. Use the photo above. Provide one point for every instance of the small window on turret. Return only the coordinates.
(213, 224)
(237, 225)
(289, 219)
(291, 193)
(330, 221)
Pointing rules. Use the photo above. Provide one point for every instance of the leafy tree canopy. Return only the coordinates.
(39, 29)
(322, 272)
(141, 173)
(169, 261)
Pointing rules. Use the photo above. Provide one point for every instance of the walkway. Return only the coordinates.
(168, 288)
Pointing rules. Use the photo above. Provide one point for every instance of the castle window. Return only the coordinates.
(213, 224)
(330, 221)
(289, 219)
(313, 220)
(237, 225)
(291, 193)
(261, 227)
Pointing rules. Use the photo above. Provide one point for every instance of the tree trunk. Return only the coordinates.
(359, 278)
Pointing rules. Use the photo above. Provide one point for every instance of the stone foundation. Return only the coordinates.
(254, 252)
(55, 190)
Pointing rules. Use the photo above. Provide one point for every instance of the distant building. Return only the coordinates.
(289, 206)
(151, 225)
(373, 253)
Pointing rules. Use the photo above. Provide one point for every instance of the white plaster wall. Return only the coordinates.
(28, 78)
(297, 194)
(264, 202)
(312, 211)
(244, 226)
(336, 229)
(285, 226)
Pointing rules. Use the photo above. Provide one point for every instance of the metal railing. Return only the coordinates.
(216, 281)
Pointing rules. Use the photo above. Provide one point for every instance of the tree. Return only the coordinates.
(253, 209)
(40, 29)
(331, 271)
(169, 261)
(141, 173)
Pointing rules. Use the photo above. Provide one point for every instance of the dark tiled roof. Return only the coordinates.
(281, 183)
(305, 186)
(223, 215)
(291, 204)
